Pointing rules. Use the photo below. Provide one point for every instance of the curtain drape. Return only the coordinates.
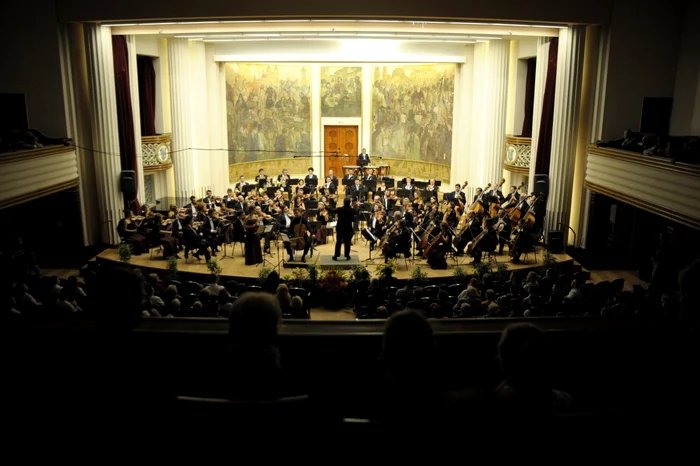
(529, 97)
(544, 143)
(125, 116)
(147, 95)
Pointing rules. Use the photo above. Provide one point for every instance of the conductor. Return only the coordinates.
(363, 158)
(344, 228)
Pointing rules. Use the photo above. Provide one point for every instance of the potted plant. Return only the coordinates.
(312, 286)
(124, 253)
(386, 270)
(459, 275)
(263, 274)
(214, 269)
(419, 277)
(548, 262)
(357, 272)
(299, 276)
(334, 284)
(502, 271)
(171, 267)
(481, 268)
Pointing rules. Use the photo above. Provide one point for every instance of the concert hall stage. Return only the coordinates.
(234, 266)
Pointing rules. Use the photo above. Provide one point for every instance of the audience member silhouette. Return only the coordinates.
(255, 370)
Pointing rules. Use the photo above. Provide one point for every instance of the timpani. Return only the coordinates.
(350, 169)
(367, 169)
(383, 170)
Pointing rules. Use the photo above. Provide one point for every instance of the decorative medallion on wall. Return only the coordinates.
(156, 152)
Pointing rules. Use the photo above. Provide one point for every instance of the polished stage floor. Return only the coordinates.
(233, 263)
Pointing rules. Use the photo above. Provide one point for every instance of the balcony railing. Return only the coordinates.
(517, 154)
(30, 174)
(650, 183)
(156, 153)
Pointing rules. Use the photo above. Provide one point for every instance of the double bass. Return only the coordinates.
(493, 209)
(512, 201)
(299, 233)
(477, 207)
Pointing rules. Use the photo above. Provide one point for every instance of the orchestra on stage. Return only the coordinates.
(409, 218)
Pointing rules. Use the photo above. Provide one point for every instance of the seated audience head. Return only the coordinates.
(409, 346)
(522, 355)
(254, 321)
(297, 302)
(120, 296)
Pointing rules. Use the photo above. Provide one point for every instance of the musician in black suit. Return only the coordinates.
(399, 242)
(332, 176)
(512, 194)
(261, 178)
(328, 187)
(238, 188)
(193, 240)
(208, 199)
(311, 180)
(487, 243)
(363, 158)
(192, 206)
(346, 215)
(410, 189)
(229, 199)
(210, 231)
(458, 193)
(521, 242)
(356, 191)
(297, 221)
(371, 176)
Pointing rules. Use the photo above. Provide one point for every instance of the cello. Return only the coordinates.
(512, 201)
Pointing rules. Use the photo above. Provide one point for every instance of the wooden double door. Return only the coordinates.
(340, 148)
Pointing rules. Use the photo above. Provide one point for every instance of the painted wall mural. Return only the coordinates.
(268, 109)
(341, 91)
(412, 112)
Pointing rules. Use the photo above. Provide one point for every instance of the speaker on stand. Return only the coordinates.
(127, 183)
(555, 241)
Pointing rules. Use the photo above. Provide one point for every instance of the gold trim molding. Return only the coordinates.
(157, 139)
(157, 168)
(510, 139)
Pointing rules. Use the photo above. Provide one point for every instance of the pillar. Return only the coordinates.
(136, 112)
(567, 99)
(201, 155)
(579, 200)
(186, 170)
(105, 129)
(496, 110)
(217, 130)
(478, 109)
(540, 81)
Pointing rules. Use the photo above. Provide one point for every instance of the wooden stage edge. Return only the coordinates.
(234, 266)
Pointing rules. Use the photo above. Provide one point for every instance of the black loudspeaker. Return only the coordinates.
(128, 181)
(555, 241)
(541, 185)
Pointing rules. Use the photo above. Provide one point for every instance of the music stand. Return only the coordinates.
(374, 238)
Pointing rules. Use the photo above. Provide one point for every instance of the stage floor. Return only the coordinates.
(233, 264)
